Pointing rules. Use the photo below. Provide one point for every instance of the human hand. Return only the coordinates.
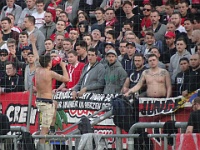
(32, 39)
(82, 91)
(74, 95)
(185, 93)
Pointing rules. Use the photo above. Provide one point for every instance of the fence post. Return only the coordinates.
(29, 107)
(118, 139)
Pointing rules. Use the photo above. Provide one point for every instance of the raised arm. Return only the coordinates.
(168, 84)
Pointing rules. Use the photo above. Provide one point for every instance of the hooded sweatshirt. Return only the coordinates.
(174, 68)
(115, 77)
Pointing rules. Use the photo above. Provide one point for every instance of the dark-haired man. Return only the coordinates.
(43, 84)
(29, 23)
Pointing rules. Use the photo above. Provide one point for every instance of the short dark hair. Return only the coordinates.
(81, 43)
(155, 11)
(184, 1)
(31, 19)
(110, 9)
(128, 23)
(170, 3)
(24, 33)
(152, 55)
(154, 47)
(39, 1)
(48, 40)
(123, 41)
(184, 59)
(44, 60)
(128, 3)
(150, 34)
(190, 19)
(138, 55)
(87, 34)
(10, 14)
(93, 50)
(181, 39)
(73, 52)
(100, 9)
(68, 40)
(6, 19)
(63, 12)
(112, 32)
(177, 13)
(11, 63)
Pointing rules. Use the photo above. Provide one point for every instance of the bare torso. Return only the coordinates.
(43, 83)
(156, 83)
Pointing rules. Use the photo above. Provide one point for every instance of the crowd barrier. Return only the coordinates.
(19, 108)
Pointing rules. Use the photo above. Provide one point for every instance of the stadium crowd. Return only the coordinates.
(151, 47)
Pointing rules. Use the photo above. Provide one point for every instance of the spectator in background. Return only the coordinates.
(188, 24)
(25, 51)
(83, 29)
(196, 22)
(127, 61)
(49, 26)
(3, 44)
(3, 61)
(115, 75)
(11, 82)
(194, 76)
(195, 38)
(81, 49)
(182, 78)
(39, 14)
(82, 16)
(60, 29)
(135, 74)
(11, 8)
(100, 24)
(59, 43)
(13, 27)
(67, 46)
(96, 36)
(7, 32)
(29, 23)
(174, 67)
(176, 19)
(194, 119)
(131, 37)
(88, 39)
(158, 28)
(74, 71)
(122, 49)
(169, 9)
(29, 10)
(73, 35)
(92, 77)
(49, 45)
(64, 16)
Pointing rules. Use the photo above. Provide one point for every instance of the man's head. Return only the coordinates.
(196, 36)
(155, 17)
(169, 8)
(81, 48)
(198, 48)
(25, 51)
(108, 46)
(49, 45)
(127, 26)
(110, 36)
(183, 7)
(54, 54)
(184, 64)
(6, 24)
(10, 69)
(59, 40)
(92, 56)
(12, 18)
(30, 3)
(155, 50)
(23, 37)
(99, 13)
(194, 61)
(10, 3)
(196, 104)
(60, 26)
(138, 60)
(171, 27)
(149, 38)
(40, 6)
(96, 35)
(147, 10)
(176, 19)
(3, 55)
(30, 58)
(170, 38)
(109, 14)
(11, 43)
(127, 7)
(197, 21)
(48, 17)
(67, 45)
(122, 47)
(111, 56)
(152, 61)
(131, 37)
(45, 61)
(180, 45)
(130, 48)
(72, 57)
(63, 16)
(73, 34)
(188, 24)
(29, 21)
(108, 28)
(88, 39)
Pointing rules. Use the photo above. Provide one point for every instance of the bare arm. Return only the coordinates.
(189, 129)
(58, 77)
(126, 85)
(168, 84)
(33, 43)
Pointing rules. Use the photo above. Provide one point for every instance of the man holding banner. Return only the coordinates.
(157, 80)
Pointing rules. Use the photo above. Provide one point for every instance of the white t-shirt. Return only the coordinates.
(39, 19)
(8, 11)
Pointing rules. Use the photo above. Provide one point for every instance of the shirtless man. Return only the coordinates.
(157, 80)
(43, 79)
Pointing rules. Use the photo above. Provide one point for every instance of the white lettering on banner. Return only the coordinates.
(18, 114)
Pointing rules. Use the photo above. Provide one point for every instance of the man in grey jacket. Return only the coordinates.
(12, 8)
(48, 28)
(29, 23)
(92, 77)
(115, 74)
